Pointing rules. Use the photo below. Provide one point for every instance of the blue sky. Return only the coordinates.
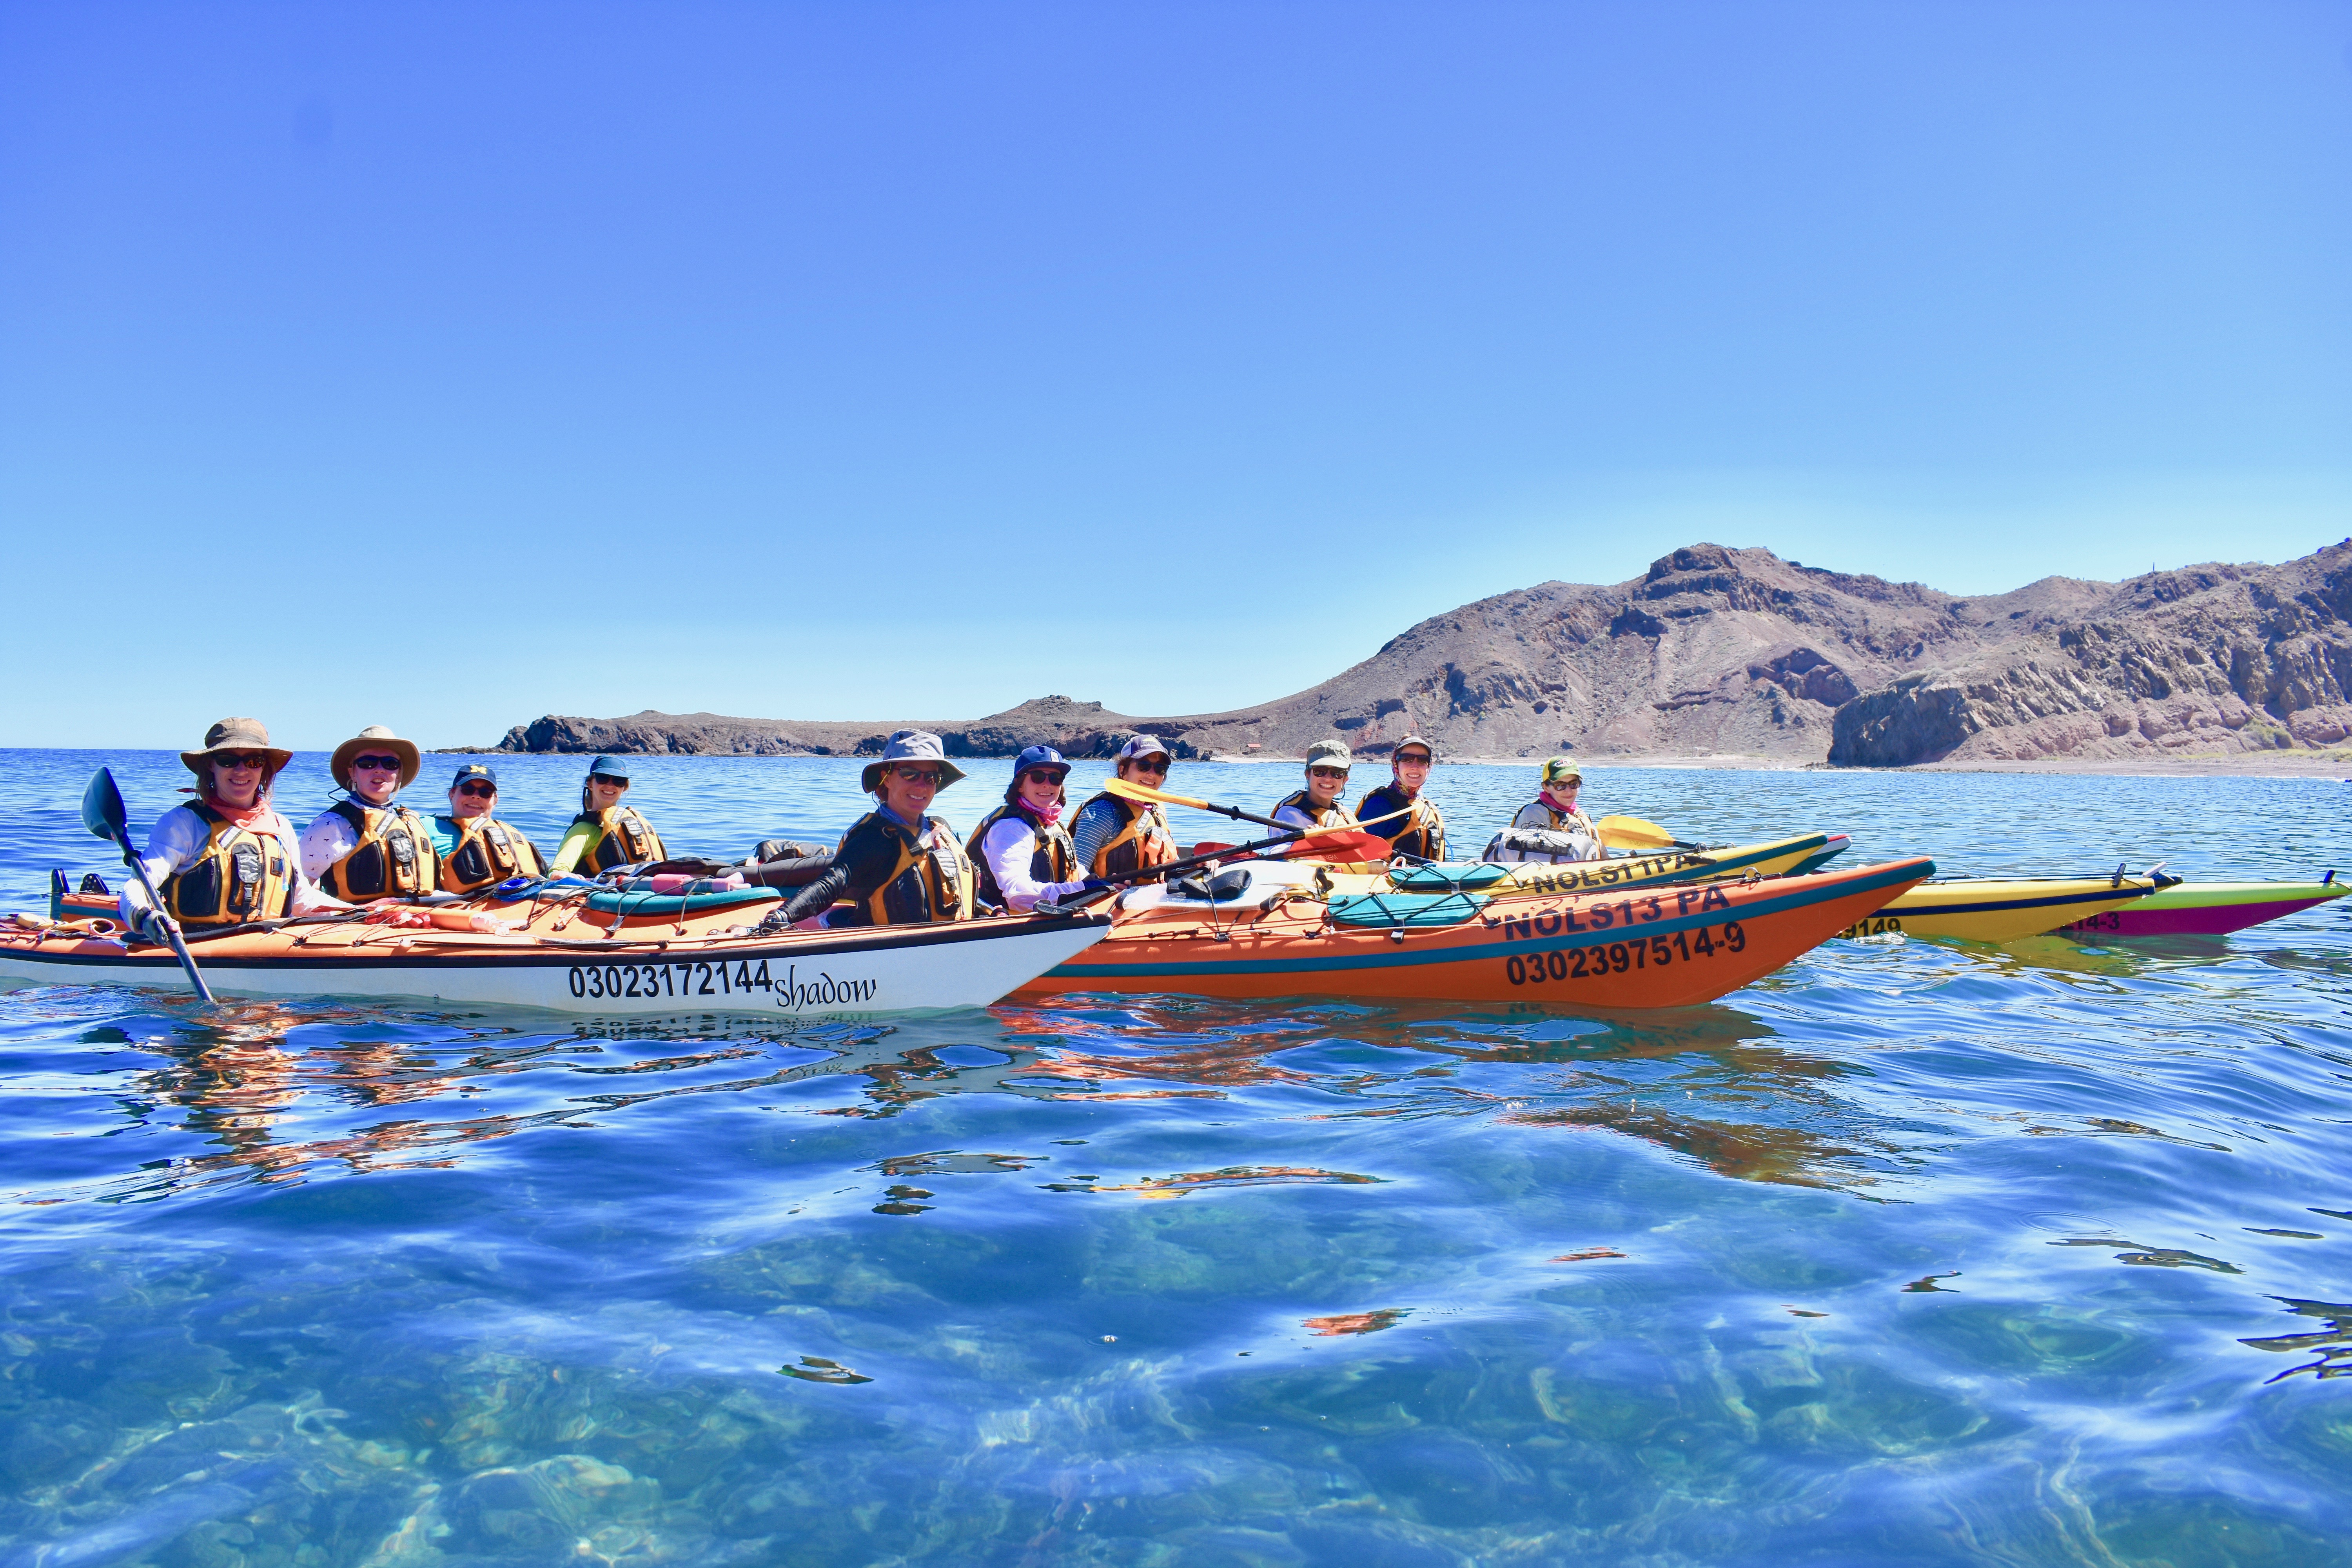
(443, 365)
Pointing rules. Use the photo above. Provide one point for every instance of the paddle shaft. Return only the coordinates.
(1238, 852)
(170, 928)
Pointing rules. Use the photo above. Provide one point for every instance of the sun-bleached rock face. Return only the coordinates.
(1717, 651)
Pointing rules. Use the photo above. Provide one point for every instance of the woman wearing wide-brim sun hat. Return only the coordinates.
(898, 864)
(365, 848)
(228, 857)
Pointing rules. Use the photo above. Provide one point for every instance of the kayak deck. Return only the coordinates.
(2207, 908)
(1987, 908)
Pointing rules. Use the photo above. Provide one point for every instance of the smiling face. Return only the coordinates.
(471, 798)
(1041, 788)
(237, 777)
(1563, 793)
(1412, 770)
(1324, 783)
(604, 792)
(908, 788)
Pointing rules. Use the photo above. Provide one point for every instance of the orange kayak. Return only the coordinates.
(1258, 931)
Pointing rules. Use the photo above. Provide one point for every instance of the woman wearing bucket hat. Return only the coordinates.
(364, 848)
(478, 850)
(1317, 805)
(1020, 852)
(896, 865)
(1399, 812)
(228, 857)
(1113, 837)
(605, 834)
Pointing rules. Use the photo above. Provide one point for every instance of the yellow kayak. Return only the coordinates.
(1987, 908)
(1770, 857)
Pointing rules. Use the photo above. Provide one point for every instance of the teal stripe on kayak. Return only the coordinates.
(1400, 956)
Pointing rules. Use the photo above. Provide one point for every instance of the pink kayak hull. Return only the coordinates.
(2203, 912)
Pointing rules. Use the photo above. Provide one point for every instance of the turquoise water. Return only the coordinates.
(1906, 1254)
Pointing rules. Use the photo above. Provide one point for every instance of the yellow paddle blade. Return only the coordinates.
(1119, 787)
(1633, 833)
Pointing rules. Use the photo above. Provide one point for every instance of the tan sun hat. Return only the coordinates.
(237, 735)
(1328, 753)
(375, 738)
(911, 746)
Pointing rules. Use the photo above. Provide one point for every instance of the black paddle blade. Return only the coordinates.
(101, 807)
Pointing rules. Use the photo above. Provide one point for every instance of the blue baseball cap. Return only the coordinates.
(475, 770)
(1039, 757)
(611, 767)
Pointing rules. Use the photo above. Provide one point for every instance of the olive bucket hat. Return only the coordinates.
(375, 738)
(236, 735)
(911, 746)
(1330, 754)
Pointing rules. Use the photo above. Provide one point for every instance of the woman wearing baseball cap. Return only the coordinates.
(1319, 805)
(605, 834)
(1112, 836)
(478, 850)
(1399, 812)
(1020, 852)
(227, 857)
(1555, 807)
(898, 864)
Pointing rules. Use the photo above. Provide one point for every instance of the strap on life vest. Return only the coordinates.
(625, 838)
(237, 876)
(393, 858)
(1143, 840)
(1423, 833)
(1054, 859)
(933, 879)
(487, 853)
(1332, 816)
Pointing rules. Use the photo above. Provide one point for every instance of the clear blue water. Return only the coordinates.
(1908, 1254)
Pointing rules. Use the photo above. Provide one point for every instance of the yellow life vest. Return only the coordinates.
(1055, 860)
(237, 876)
(623, 838)
(1422, 834)
(1143, 840)
(931, 881)
(487, 853)
(393, 855)
(1332, 816)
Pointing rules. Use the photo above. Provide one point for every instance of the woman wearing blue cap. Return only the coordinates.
(1020, 852)
(605, 834)
(478, 850)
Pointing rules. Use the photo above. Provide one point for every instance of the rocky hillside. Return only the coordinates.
(1737, 651)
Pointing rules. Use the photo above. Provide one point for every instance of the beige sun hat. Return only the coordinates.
(237, 735)
(1330, 753)
(911, 746)
(375, 738)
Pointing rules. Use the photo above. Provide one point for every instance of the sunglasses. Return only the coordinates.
(608, 781)
(478, 787)
(920, 776)
(377, 764)
(241, 759)
(1145, 766)
(1042, 775)
(1412, 759)
(1328, 772)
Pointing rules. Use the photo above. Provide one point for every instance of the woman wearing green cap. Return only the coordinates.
(1317, 805)
(1554, 808)
(605, 834)
(477, 849)
(898, 864)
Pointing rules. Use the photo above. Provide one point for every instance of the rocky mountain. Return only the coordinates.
(1717, 651)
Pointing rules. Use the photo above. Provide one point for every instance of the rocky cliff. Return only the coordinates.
(1717, 651)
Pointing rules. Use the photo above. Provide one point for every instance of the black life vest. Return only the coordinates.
(1055, 860)
(1143, 840)
(237, 876)
(1421, 834)
(933, 879)
(394, 856)
(487, 853)
(625, 839)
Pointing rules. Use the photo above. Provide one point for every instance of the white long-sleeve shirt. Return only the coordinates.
(329, 836)
(1009, 847)
(179, 836)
